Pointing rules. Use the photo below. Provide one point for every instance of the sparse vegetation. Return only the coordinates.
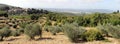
(4, 32)
(33, 21)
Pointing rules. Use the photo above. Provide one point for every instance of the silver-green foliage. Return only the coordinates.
(33, 30)
(53, 29)
(73, 32)
(110, 30)
(23, 24)
(4, 32)
(15, 33)
(93, 34)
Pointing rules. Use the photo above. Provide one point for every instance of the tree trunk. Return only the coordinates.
(32, 38)
(1, 38)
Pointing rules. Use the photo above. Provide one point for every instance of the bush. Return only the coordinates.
(110, 30)
(48, 23)
(46, 28)
(103, 29)
(3, 13)
(93, 34)
(20, 30)
(53, 29)
(4, 32)
(23, 24)
(33, 30)
(35, 17)
(15, 33)
(73, 32)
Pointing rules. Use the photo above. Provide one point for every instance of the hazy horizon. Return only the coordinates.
(65, 4)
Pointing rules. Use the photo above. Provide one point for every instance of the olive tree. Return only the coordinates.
(32, 30)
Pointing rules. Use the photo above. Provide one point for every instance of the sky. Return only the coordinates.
(70, 4)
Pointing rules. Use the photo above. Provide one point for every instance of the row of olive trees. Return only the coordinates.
(75, 33)
(85, 20)
(110, 30)
(31, 30)
(36, 11)
(82, 20)
(3, 13)
(6, 32)
(97, 18)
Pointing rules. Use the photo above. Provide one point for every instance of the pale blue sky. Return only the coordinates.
(73, 4)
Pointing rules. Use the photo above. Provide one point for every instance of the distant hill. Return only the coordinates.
(5, 7)
(80, 10)
(8, 7)
(13, 10)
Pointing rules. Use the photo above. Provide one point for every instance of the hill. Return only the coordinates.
(5, 7)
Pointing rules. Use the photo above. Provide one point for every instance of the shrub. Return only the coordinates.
(103, 29)
(111, 30)
(3, 13)
(33, 30)
(4, 32)
(46, 28)
(34, 17)
(72, 32)
(20, 30)
(15, 33)
(93, 34)
(23, 24)
(48, 23)
(53, 29)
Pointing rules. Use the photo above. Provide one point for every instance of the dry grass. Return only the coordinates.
(48, 38)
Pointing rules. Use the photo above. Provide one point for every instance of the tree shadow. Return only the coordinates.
(47, 38)
(60, 34)
(80, 41)
(12, 39)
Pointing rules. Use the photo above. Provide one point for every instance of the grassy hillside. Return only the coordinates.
(5, 7)
(44, 26)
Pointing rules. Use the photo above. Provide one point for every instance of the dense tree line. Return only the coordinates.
(4, 7)
(86, 20)
(3, 13)
(36, 11)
